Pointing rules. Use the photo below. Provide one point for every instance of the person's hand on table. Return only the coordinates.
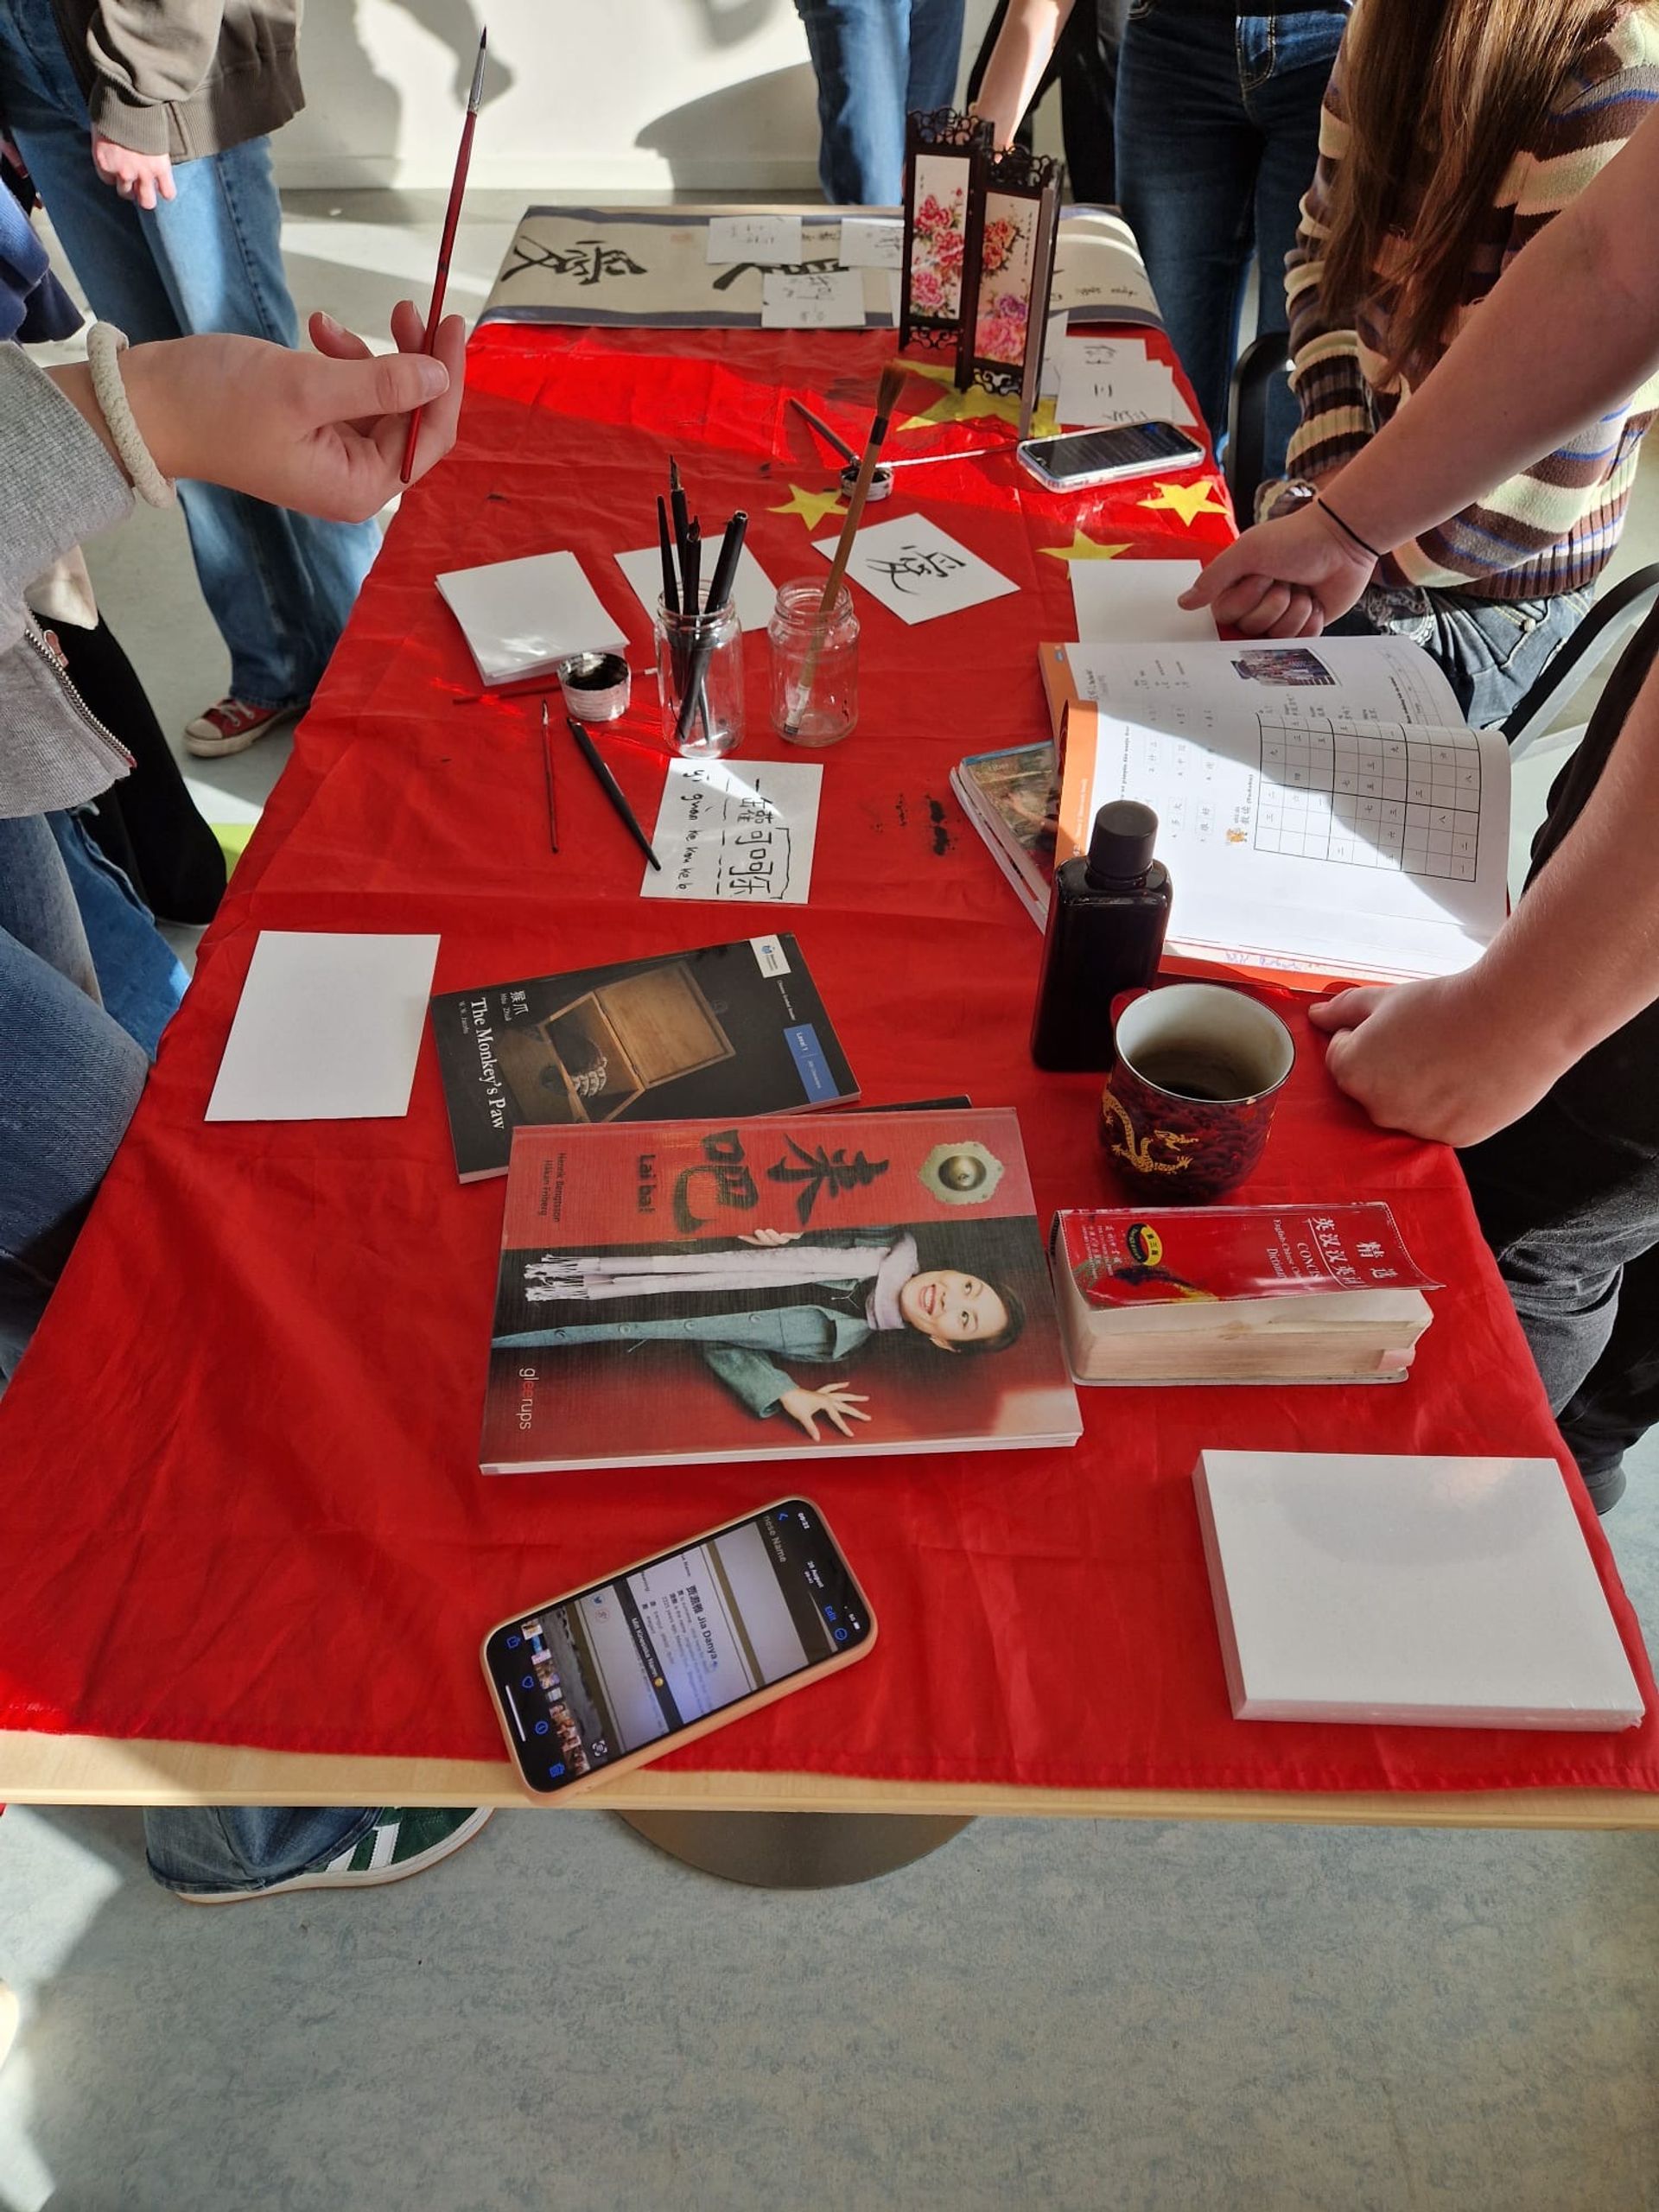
(320, 432)
(1438, 1059)
(143, 178)
(832, 1404)
(1284, 579)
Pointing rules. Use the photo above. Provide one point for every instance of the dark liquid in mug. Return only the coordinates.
(1187, 1071)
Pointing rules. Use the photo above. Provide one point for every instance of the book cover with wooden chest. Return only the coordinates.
(728, 1029)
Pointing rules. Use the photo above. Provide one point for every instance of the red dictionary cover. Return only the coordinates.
(1124, 1257)
(702, 1290)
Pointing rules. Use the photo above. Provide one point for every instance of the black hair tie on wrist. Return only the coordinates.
(1347, 529)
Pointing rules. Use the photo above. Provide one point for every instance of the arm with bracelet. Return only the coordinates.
(1569, 331)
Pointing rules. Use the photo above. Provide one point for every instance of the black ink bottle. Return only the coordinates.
(1107, 915)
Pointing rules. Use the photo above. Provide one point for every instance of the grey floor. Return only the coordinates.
(1088, 2015)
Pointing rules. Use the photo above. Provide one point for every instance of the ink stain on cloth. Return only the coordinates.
(939, 822)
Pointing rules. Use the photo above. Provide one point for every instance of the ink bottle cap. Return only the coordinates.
(1121, 848)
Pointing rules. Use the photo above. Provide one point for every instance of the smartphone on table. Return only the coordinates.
(1077, 458)
(613, 1674)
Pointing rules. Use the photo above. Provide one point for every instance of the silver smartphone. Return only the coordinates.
(1077, 458)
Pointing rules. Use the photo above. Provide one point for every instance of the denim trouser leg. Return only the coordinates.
(935, 58)
(874, 60)
(209, 1848)
(1493, 651)
(139, 977)
(1286, 62)
(70, 1077)
(279, 586)
(1217, 127)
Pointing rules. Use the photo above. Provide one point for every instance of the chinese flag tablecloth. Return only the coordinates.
(238, 1480)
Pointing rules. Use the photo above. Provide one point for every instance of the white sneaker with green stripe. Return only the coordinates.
(404, 1840)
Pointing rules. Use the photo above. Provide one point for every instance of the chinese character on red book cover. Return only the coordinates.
(729, 1290)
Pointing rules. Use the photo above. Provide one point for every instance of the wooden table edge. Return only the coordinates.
(43, 1770)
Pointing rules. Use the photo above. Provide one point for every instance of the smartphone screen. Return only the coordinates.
(1130, 445)
(637, 1659)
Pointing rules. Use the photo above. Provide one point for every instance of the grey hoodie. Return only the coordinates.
(58, 485)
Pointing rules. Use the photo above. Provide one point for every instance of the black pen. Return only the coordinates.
(613, 790)
(670, 588)
(694, 700)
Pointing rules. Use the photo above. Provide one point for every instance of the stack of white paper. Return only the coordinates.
(523, 618)
(1452, 1592)
(1110, 380)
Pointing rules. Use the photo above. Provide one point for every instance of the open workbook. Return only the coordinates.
(1322, 807)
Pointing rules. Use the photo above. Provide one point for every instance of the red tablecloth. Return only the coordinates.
(239, 1481)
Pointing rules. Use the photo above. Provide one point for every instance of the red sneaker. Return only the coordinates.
(231, 727)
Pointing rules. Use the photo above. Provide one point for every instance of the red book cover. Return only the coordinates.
(1122, 1257)
(686, 1291)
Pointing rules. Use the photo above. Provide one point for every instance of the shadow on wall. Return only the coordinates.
(730, 24)
(766, 128)
(353, 114)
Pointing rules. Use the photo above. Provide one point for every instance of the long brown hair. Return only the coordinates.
(1440, 97)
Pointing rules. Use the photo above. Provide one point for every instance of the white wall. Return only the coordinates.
(599, 95)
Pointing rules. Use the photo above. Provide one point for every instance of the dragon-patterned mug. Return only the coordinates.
(1188, 1106)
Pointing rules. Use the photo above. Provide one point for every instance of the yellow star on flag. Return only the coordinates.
(960, 407)
(1082, 549)
(811, 506)
(1188, 500)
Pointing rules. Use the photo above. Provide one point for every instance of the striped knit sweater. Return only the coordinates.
(1553, 528)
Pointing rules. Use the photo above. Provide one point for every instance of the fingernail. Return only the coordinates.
(323, 316)
(434, 378)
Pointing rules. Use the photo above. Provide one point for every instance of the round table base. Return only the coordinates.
(795, 1851)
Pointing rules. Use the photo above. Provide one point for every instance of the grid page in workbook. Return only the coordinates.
(1372, 795)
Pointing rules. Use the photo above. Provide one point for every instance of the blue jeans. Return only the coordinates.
(1492, 650)
(876, 61)
(210, 1847)
(86, 984)
(279, 586)
(1217, 140)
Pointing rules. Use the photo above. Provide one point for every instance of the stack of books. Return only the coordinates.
(1013, 799)
(1237, 1294)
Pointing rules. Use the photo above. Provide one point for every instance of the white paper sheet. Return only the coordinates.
(1108, 381)
(1318, 804)
(871, 242)
(759, 238)
(327, 1028)
(919, 571)
(522, 618)
(1133, 602)
(812, 299)
(1048, 375)
(754, 591)
(736, 831)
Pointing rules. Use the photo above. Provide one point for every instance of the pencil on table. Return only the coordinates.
(547, 770)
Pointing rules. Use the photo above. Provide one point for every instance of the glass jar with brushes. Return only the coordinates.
(814, 662)
(700, 675)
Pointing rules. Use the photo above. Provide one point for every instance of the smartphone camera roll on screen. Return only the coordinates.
(635, 1661)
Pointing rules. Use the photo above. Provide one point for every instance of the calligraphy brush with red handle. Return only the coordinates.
(446, 245)
(886, 399)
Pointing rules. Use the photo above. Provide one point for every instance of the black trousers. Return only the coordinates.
(147, 824)
(1568, 1196)
(1084, 66)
